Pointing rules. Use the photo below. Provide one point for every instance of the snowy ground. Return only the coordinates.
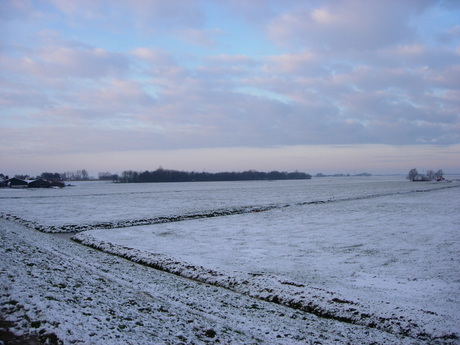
(375, 258)
(105, 204)
(57, 289)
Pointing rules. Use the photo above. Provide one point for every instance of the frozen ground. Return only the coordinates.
(376, 258)
(62, 292)
(104, 204)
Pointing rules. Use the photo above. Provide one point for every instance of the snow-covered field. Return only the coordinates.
(105, 204)
(376, 257)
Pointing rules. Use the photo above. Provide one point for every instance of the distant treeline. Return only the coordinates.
(68, 175)
(49, 176)
(164, 175)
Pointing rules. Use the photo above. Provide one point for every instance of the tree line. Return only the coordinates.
(165, 175)
(50, 176)
(80, 175)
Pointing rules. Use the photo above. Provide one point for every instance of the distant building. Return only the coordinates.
(39, 184)
(17, 183)
(20, 183)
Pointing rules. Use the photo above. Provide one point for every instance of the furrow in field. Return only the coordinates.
(319, 302)
(123, 223)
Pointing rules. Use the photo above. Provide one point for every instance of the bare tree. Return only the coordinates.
(413, 173)
(430, 174)
(439, 175)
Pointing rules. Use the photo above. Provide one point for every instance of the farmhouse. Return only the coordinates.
(20, 183)
(39, 184)
(16, 183)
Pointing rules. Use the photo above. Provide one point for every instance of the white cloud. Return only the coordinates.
(305, 62)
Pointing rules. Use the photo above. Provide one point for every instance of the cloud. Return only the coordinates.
(345, 26)
(297, 63)
(116, 98)
(198, 37)
(64, 59)
(169, 14)
(164, 14)
(256, 12)
(161, 75)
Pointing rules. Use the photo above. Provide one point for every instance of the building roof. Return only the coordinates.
(15, 180)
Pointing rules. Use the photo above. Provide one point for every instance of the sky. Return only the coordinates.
(331, 86)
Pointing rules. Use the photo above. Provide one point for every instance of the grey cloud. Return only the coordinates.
(14, 10)
(91, 63)
(64, 59)
(336, 26)
(169, 14)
